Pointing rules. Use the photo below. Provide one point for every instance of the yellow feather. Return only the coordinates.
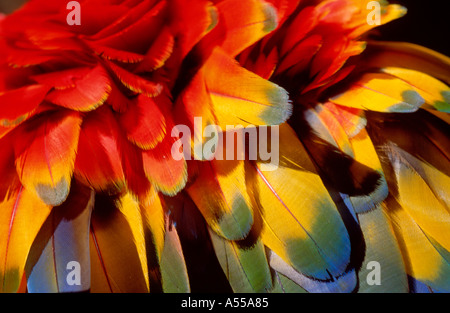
(388, 14)
(130, 209)
(381, 247)
(300, 221)
(240, 97)
(221, 196)
(423, 194)
(364, 152)
(435, 92)
(383, 54)
(21, 216)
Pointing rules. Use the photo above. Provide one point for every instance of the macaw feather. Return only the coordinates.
(98, 163)
(19, 104)
(45, 154)
(382, 93)
(129, 29)
(167, 174)
(424, 258)
(345, 131)
(175, 278)
(62, 240)
(422, 193)
(347, 282)
(21, 216)
(159, 52)
(246, 268)
(246, 23)
(195, 102)
(381, 247)
(283, 284)
(146, 219)
(290, 224)
(226, 207)
(144, 122)
(136, 83)
(243, 98)
(82, 89)
(434, 92)
(382, 54)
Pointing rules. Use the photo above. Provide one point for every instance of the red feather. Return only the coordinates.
(84, 90)
(165, 173)
(19, 104)
(159, 52)
(136, 83)
(144, 121)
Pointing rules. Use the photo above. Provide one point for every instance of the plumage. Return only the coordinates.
(245, 92)
(389, 13)
(300, 26)
(117, 55)
(228, 209)
(406, 55)
(113, 247)
(88, 91)
(98, 163)
(382, 93)
(343, 48)
(11, 182)
(424, 258)
(434, 92)
(134, 82)
(338, 170)
(128, 31)
(290, 227)
(147, 221)
(325, 125)
(303, 50)
(20, 104)
(22, 214)
(417, 174)
(246, 268)
(381, 247)
(174, 275)
(283, 284)
(246, 23)
(195, 102)
(62, 240)
(166, 173)
(413, 176)
(133, 168)
(45, 155)
(344, 283)
(185, 13)
(141, 113)
(131, 210)
(159, 52)
(118, 21)
(135, 149)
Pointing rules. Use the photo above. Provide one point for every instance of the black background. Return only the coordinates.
(427, 23)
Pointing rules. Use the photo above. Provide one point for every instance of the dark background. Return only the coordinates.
(7, 6)
(427, 23)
